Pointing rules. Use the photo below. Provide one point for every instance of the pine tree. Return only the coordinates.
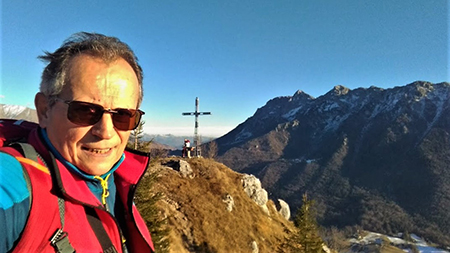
(138, 133)
(307, 224)
(306, 239)
(146, 201)
(136, 136)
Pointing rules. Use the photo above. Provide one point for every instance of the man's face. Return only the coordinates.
(93, 149)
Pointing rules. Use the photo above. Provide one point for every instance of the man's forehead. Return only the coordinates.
(87, 57)
(94, 79)
(92, 73)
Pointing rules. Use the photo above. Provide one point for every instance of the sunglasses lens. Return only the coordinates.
(87, 114)
(84, 114)
(126, 119)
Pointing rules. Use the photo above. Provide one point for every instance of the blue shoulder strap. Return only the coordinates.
(15, 200)
(29, 152)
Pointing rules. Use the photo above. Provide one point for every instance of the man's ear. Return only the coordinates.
(42, 109)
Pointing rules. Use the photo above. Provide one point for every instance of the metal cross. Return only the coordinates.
(196, 114)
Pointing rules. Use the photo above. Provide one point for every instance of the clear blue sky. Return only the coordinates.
(234, 55)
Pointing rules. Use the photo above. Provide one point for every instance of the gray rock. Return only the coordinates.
(254, 246)
(185, 169)
(260, 196)
(251, 184)
(285, 211)
(253, 189)
(228, 199)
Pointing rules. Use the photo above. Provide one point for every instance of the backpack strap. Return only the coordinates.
(60, 238)
(99, 231)
(27, 150)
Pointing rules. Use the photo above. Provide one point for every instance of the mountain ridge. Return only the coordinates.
(350, 149)
(290, 106)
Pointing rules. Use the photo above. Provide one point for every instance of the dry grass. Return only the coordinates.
(198, 217)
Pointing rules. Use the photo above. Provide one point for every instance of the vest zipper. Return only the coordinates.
(105, 191)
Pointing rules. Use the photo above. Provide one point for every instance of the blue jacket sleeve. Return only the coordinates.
(14, 201)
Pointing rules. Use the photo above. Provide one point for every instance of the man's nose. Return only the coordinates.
(104, 128)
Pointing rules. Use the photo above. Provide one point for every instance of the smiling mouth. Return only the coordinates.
(97, 151)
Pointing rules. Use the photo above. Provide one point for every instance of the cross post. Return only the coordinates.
(196, 138)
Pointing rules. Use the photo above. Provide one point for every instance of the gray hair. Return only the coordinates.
(98, 45)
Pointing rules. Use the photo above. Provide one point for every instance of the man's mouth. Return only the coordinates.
(97, 151)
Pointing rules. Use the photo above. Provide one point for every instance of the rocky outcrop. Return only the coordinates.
(182, 167)
(252, 187)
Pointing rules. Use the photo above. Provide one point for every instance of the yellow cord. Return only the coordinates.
(104, 183)
(105, 194)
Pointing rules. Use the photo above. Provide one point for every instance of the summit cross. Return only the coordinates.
(196, 114)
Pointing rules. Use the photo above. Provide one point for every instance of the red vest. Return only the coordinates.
(44, 216)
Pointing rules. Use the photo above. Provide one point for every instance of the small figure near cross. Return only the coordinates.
(186, 152)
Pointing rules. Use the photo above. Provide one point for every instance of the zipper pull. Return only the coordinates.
(105, 192)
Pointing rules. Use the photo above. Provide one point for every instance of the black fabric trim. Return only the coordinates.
(99, 230)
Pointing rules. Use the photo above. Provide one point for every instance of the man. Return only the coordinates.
(186, 148)
(79, 195)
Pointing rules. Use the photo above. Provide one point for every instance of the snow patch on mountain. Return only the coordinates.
(290, 116)
(243, 135)
(18, 112)
(376, 238)
(333, 123)
(13, 110)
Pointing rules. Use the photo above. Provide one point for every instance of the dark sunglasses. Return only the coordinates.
(88, 114)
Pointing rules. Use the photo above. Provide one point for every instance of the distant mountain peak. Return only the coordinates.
(14, 109)
(18, 112)
(301, 95)
(338, 90)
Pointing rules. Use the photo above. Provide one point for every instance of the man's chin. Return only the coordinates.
(97, 169)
